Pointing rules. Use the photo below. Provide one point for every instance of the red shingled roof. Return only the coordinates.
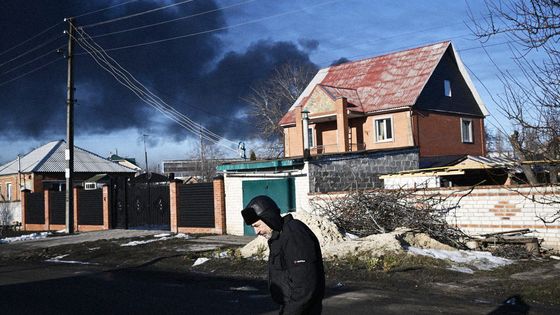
(383, 82)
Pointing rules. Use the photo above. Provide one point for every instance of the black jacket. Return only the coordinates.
(296, 277)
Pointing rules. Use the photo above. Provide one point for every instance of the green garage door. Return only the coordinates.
(280, 190)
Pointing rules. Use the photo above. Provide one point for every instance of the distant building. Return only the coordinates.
(126, 162)
(43, 168)
(193, 170)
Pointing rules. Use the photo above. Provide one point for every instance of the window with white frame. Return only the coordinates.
(383, 129)
(447, 88)
(9, 191)
(466, 130)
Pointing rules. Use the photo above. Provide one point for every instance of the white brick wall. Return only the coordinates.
(490, 210)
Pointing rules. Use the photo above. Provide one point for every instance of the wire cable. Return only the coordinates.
(221, 28)
(136, 14)
(32, 50)
(104, 9)
(29, 39)
(31, 71)
(172, 20)
(30, 61)
(126, 79)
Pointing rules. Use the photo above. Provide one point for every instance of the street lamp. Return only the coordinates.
(305, 119)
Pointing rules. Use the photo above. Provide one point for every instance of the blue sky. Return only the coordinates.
(204, 76)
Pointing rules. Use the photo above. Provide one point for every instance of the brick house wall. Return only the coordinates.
(440, 134)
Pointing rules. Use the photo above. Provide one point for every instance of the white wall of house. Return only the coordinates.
(233, 183)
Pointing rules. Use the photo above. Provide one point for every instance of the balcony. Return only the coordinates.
(333, 148)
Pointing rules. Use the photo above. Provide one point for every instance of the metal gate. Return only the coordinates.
(148, 206)
(280, 190)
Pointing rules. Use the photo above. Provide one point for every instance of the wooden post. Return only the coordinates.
(174, 187)
(106, 206)
(76, 207)
(219, 205)
(47, 207)
(24, 196)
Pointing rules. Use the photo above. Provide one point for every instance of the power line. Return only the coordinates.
(31, 71)
(125, 78)
(30, 61)
(104, 9)
(221, 28)
(172, 20)
(32, 50)
(30, 38)
(136, 14)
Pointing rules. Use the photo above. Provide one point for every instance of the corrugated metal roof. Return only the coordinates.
(383, 82)
(50, 158)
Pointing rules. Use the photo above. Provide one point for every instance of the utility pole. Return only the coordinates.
(201, 156)
(69, 153)
(145, 153)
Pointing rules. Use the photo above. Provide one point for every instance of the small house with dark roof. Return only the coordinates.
(43, 168)
(418, 98)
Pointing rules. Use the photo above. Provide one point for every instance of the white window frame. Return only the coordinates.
(8, 191)
(311, 137)
(470, 131)
(447, 88)
(376, 135)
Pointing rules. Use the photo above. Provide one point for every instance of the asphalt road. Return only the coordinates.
(52, 288)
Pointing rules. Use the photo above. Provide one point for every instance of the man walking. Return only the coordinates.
(296, 277)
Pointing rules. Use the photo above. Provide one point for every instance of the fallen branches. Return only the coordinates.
(369, 212)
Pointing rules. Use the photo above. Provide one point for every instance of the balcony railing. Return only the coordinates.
(333, 148)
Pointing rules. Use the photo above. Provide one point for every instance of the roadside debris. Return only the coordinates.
(401, 240)
(364, 213)
(200, 261)
(513, 244)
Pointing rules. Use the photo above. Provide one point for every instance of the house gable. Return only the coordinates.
(462, 99)
(319, 102)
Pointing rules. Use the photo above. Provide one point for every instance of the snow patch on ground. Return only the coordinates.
(58, 260)
(158, 237)
(27, 237)
(480, 260)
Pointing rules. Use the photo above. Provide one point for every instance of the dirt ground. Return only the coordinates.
(534, 282)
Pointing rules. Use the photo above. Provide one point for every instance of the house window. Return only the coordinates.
(384, 129)
(447, 88)
(467, 130)
(310, 137)
(9, 191)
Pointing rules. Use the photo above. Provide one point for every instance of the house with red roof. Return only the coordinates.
(417, 98)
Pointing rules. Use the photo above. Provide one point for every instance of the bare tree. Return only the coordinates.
(531, 101)
(5, 215)
(206, 162)
(271, 99)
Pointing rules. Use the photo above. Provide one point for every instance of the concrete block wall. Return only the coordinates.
(358, 170)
